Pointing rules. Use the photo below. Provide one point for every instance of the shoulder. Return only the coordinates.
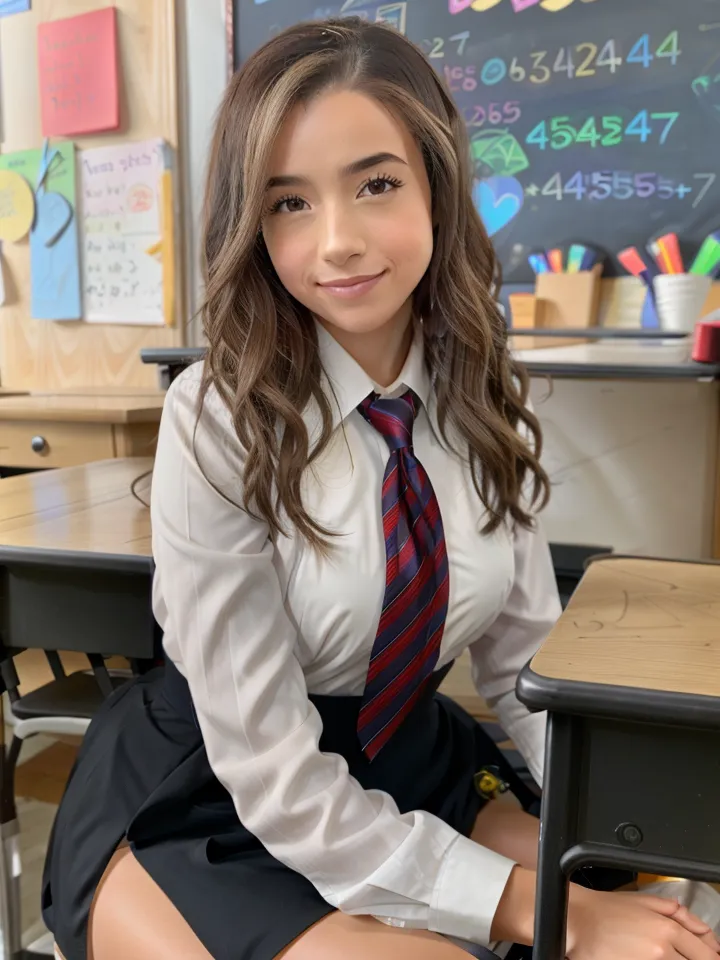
(197, 428)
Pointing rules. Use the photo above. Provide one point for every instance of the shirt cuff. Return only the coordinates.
(471, 882)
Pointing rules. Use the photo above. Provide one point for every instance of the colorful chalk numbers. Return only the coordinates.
(609, 131)
(622, 185)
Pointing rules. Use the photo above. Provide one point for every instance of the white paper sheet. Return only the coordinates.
(120, 190)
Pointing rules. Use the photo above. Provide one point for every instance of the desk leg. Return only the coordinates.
(558, 828)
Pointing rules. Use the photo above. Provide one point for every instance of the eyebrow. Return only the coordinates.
(351, 170)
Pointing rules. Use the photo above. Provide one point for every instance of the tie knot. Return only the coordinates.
(392, 417)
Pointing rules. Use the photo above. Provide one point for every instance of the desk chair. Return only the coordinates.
(89, 603)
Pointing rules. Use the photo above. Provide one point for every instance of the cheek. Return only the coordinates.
(290, 256)
(409, 244)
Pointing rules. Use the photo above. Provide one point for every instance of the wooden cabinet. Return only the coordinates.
(65, 430)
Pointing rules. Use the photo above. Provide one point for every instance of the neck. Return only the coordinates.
(381, 353)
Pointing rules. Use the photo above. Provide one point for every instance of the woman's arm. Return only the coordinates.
(529, 614)
(222, 606)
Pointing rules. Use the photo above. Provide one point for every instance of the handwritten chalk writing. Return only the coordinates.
(610, 185)
(599, 186)
(435, 48)
(560, 134)
(519, 6)
(494, 113)
(493, 72)
(460, 78)
(669, 49)
(708, 179)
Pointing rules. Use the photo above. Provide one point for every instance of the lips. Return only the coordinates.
(349, 287)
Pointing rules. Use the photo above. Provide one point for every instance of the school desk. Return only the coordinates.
(630, 677)
(67, 520)
(63, 429)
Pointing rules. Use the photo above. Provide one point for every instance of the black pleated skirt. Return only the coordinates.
(143, 774)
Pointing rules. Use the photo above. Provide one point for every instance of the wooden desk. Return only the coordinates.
(630, 676)
(88, 508)
(62, 430)
(75, 560)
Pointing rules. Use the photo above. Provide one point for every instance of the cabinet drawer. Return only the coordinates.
(60, 444)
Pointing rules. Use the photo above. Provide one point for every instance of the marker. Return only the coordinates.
(708, 256)
(590, 259)
(670, 246)
(576, 256)
(555, 259)
(539, 264)
(655, 250)
(632, 261)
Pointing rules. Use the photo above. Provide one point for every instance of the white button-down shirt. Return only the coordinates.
(255, 626)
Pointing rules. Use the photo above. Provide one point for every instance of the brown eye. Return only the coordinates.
(288, 205)
(378, 187)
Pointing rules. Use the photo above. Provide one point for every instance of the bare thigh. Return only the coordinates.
(132, 917)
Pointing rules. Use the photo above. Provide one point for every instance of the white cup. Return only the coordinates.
(680, 300)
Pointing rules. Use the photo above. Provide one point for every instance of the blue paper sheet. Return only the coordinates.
(54, 258)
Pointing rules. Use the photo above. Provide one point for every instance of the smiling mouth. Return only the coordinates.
(350, 287)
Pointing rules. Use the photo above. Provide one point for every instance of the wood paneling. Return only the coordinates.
(37, 354)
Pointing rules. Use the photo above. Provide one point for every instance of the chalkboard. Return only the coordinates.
(591, 121)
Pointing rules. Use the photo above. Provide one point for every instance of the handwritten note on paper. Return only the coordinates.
(121, 185)
(77, 60)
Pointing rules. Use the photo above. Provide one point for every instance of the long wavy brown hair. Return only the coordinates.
(263, 351)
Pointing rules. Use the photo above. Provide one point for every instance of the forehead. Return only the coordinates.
(335, 128)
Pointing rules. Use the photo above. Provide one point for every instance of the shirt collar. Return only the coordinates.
(348, 384)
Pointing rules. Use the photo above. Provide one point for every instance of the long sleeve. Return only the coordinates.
(529, 614)
(222, 606)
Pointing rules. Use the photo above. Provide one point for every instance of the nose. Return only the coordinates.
(341, 237)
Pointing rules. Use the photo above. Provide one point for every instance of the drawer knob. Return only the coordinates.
(39, 444)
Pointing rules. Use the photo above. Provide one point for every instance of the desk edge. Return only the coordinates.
(616, 702)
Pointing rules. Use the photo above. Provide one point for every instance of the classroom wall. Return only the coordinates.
(45, 355)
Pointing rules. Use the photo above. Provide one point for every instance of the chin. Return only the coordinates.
(364, 318)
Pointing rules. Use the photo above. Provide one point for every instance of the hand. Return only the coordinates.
(627, 926)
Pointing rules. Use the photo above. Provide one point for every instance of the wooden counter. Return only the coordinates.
(64, 430)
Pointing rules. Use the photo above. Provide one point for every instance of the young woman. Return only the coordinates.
(342, 503)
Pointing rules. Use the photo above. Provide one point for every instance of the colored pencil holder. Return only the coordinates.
(680, 299)
(523, 308)
(568, 300)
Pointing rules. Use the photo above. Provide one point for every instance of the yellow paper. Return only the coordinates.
(17, 206)
(168, 248)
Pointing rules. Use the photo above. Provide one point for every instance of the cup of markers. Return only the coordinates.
(678, 296)
(579, 259)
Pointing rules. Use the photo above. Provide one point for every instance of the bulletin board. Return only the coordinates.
(46, 355)
(592, 121)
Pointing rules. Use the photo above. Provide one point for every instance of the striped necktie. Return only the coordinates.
(414, 609)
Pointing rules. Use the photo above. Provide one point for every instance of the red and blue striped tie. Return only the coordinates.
(407, 644)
